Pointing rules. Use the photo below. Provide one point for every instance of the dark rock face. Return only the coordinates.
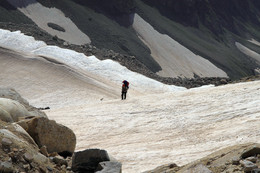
(119, 10)
(215, 15)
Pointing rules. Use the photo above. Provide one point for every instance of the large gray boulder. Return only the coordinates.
(11, 110)
(56, 137)
(88, 160)
(14, 95)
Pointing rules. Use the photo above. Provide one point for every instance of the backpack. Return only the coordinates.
(126, 83)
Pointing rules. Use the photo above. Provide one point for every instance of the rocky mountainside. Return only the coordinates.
(210, 29)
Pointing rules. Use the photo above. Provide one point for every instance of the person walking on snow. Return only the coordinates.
(125, 87)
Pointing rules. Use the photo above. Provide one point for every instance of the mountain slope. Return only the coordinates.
(209, 29)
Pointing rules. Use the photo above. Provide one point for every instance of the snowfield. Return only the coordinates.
(155, 125)
(146, 131)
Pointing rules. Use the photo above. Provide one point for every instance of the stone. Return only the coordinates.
(235, 160)
(28, 157)
(49, 169)
(53, 154)
(88, 160)
(109, 167)
(15, 150)
(198, 168)
(48, 132)
(27, 167)
(43, 169)
(248, 166)
(40, 158)
(6, 142)
(6, 167)
(252, 159)
(44, 151)
(60, 160)
(223, 81)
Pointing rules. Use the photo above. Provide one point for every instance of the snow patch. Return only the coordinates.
(254, 41)
(248, 51)
(42, 16)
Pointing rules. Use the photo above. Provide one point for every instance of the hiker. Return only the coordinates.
(125, 87)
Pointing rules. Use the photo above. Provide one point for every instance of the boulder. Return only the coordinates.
(109, 167)
(11, 110)
(88, 160)
(10, 93)
(56, 137)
